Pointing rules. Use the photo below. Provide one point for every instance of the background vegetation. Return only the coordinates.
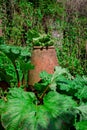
(65, 20)
(24, 23)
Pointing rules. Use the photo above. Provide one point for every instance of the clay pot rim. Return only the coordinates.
(45, 47)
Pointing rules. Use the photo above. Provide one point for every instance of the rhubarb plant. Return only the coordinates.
(17, 62)
(47, 105)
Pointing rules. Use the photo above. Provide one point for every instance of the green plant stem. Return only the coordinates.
(17, 74)
(43, 94)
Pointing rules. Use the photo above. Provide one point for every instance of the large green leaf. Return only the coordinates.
(57, 77)
(4, 48)
(60, 71)
(25, 66)
(2, 104)
(81, 125)
(45, 76)
(56, 103)
(11, 52)
(22, 112)
(18, 107)
(4, 76)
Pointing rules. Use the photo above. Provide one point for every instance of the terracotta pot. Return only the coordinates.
(44, 59)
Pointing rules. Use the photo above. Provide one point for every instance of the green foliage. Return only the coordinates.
(30, 35)
(2, 106)
(1, 40)
(76, 87)
(7, 72)
(47, 17)
(83, 111)
(43, 40)
(17, 63)
(30, 115)
(47, 107)
(37, 39)
(59, 100)
(67, 57)
(26, 16)
(81, 125)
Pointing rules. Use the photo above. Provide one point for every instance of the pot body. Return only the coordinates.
(44, 59)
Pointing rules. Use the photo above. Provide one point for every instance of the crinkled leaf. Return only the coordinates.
(64, 83)
(45, 76)
(82, 111)
(60, 71)
(57, 77)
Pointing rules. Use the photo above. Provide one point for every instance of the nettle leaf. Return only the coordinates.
(81, 125)
(56, 103)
